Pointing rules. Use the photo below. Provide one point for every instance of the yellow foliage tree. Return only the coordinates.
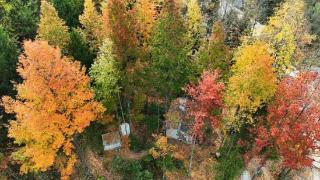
(54, 103)
(253, 81)
(51, 27)
(196, 26)
(94, 27)
(287, 33)
(162, 147)
(146, 16)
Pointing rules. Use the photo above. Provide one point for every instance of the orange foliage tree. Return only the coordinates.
(146, 17)
(122, 24)
(53, 104)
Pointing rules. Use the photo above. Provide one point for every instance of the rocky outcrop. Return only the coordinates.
(304, 174)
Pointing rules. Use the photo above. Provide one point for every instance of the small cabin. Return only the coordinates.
(111, 141)
(178, 131)
(176, 124)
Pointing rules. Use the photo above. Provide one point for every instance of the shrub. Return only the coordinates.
(130, 170)
(230, 164)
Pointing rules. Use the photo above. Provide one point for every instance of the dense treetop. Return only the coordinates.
(233, 81)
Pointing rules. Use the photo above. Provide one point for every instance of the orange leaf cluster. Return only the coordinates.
(53, 104)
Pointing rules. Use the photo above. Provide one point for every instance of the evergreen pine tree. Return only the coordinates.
(169, 47)
(214, 54)
(69, 10)
(8, 60)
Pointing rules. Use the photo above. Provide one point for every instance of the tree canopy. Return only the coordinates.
(287, 32)
(169, 47)
(105, 74)
(214, 54)
(206, 102)
(8, 60)
(52, 28)
(53, 104)
(293, 120)
(253, 81)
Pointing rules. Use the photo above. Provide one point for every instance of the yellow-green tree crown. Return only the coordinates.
(287, 32)
(93, 25)
(51, 27)
(196, 25)
(253, 81)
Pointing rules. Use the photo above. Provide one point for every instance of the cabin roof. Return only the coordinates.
(111, 138)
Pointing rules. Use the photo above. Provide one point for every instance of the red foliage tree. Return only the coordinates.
(206, 102)
(293, 120)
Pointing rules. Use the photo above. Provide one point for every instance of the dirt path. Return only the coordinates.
(129, 155)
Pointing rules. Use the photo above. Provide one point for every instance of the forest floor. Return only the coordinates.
(130, 155)
(203, 158)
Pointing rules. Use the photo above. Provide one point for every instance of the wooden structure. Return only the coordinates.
(178, 131)
(125, 129)
(177, 124)
(111, 141)
(114, 140)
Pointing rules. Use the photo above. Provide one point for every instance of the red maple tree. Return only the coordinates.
(206, 102)
(293, 120)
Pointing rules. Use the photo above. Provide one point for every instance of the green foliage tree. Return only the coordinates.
(8, 60)
(79, 48)
(214, 54)
(20, 18)
(5, 7)
(313, 14)
(231, 163)
(51, 27)
(69, 10)
(105, 75)
(131, 169)
(126, 24)
(169, 48)
(253, 81)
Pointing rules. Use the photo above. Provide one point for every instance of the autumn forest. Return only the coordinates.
(159, 89)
